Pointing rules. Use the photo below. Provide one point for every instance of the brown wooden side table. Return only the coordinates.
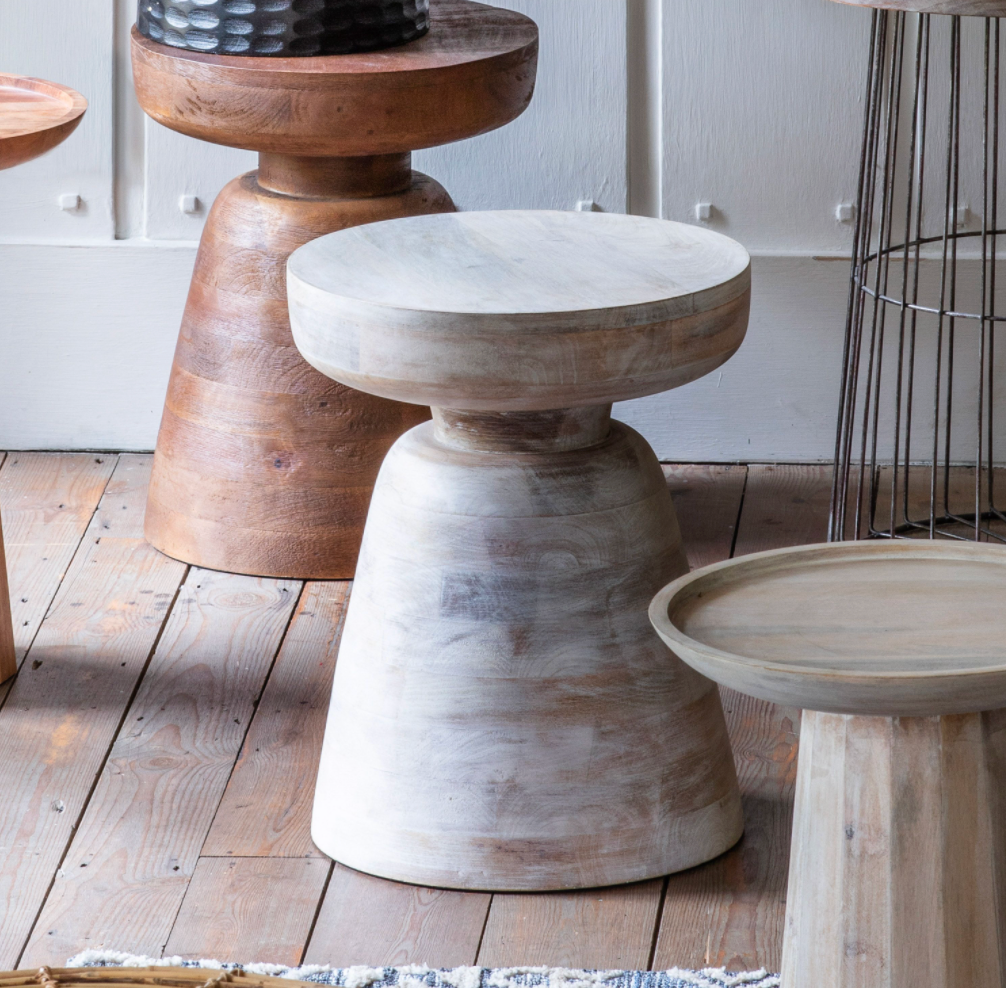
(263, 465)
(35, 116)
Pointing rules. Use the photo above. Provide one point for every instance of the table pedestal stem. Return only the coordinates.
(263, 465)
(503, 715)
(899, 840)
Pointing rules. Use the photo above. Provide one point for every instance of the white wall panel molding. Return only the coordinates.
(762, 117)
(96, 328)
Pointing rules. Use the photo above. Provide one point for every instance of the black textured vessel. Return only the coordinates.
(283, 27)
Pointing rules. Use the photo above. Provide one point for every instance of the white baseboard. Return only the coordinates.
(87, 333)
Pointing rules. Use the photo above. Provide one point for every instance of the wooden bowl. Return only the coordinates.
(35, 116)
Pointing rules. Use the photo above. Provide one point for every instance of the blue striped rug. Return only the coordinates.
(420, 976)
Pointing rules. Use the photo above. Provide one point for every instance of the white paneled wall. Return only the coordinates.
(653, 106)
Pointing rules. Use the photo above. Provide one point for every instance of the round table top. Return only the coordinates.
(35, 116)
(975, 8)
(902, 628)
(534, 309)
(473, 71)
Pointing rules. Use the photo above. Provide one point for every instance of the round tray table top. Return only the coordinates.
(473, 71)
(973, 8)
(546, 299)
(887, 628)
(35, 116)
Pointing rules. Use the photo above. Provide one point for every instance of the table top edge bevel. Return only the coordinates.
(685, 588)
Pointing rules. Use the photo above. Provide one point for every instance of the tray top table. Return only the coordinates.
(262, 465)
(35, 116)
(503, 716)
(897, 652)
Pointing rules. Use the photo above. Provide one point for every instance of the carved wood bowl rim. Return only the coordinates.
(833, 690)
(59, 128)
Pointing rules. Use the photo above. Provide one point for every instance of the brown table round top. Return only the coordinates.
(519, 309)
(902, 628)
(35, 116)
(472, 72)
(974, 8)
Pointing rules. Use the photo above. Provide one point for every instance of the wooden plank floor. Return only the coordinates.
(158, 752)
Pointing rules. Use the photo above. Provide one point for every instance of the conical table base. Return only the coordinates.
(503, 716)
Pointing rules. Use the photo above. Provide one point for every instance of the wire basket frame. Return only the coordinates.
(919, 437)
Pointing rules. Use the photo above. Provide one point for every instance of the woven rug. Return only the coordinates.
(420, 976)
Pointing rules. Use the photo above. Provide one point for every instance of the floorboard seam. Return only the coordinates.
(317, 911)
(656, 925)
(740, 511)
(48, 608)
(127, 706)
(485, 926)
(251, 720)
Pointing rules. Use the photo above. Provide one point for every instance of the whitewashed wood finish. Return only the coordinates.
(519, 310)
(502, 716)
(897, 864)
(905, 628)
(896, 649)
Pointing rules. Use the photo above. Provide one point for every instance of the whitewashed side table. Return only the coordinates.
(897, 652)
(503, 715)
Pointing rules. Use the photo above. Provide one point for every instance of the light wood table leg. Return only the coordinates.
(8, 660)
(899, 838)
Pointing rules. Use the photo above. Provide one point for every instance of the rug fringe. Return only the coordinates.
(421, 976)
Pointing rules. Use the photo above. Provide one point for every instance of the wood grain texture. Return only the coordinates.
(126, 871)
(35, 116)
(731, 912)
(606, 928)
(968, 8)
(366, 920)
(896, 845)
(230, 903)
(263, 465)
(48, 501)
(883, 628)
(784, 504)
(472, 72)
(615, 927)
(266, 808)
(707, 501)
(496, 666)
(63, 711)
(519, 310)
